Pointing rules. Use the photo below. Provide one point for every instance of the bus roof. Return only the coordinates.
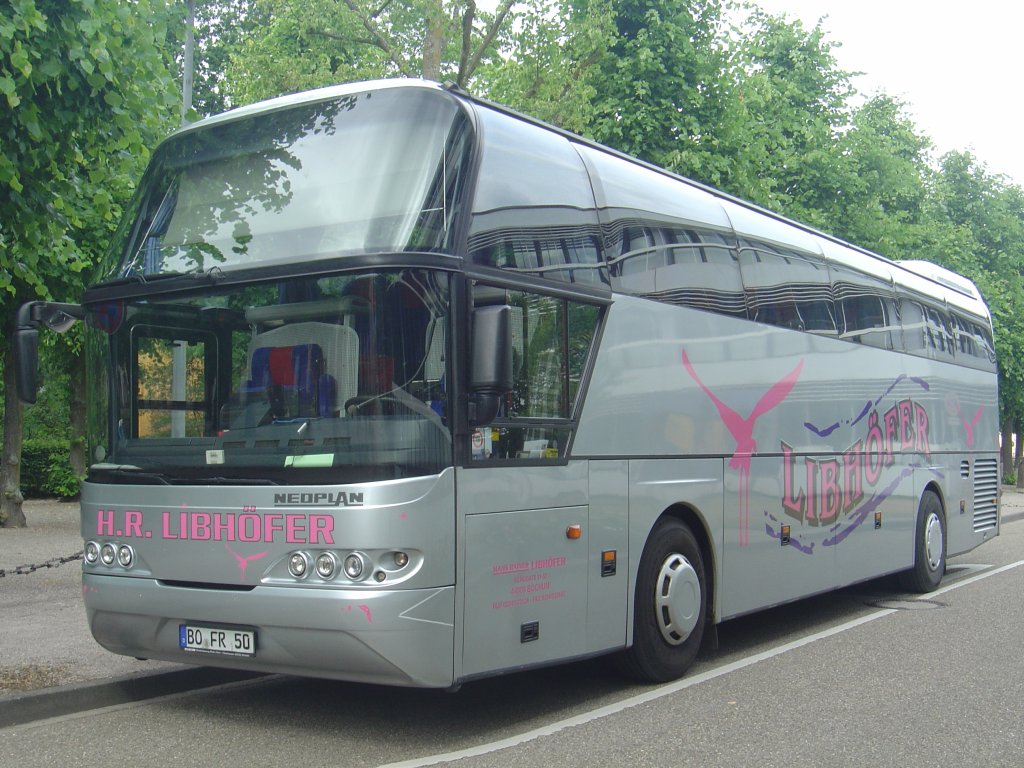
(307, 97)
(922, 276)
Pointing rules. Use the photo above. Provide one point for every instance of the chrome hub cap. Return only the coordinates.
(933, 541)
(677, 600)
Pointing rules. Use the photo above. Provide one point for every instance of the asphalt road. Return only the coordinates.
(863, 677)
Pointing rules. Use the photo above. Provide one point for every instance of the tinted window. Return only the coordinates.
(367, 172)
(551, 343)
(787, 288)
(665, 239)
(534, 209)
(912, 321)
(338, 378)
(865, 307)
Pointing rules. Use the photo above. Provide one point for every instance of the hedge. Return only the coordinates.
(46, 470)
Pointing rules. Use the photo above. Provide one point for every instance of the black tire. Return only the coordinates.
(670, 607)
(929, 547)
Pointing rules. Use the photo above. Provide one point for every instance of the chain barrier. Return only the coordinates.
(55, 562)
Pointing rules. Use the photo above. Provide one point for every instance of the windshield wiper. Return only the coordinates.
(183, 475)
(139, 279)
(235, 480)
(213, 275)
(130, 471)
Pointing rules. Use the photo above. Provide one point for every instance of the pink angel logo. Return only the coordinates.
(742, 431)
(364, 609)
(243, 562)
(970, 425)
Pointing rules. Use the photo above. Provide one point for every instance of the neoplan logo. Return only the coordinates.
(318, 499)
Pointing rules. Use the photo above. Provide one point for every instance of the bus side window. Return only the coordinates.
(865, 320)
(786, 288)
(964, 339)
(912, 322)
(552, 340)
(534, 210)
(940, 335)
(985, 344)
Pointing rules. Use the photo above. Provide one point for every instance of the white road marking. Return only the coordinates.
(687, 682)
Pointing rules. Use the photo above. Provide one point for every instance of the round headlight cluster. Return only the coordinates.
(353, 566)
(109, 554)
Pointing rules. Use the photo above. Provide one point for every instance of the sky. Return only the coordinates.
(957, 66)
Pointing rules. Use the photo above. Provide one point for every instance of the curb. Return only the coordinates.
(22, 708)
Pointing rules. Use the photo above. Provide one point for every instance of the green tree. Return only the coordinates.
(302, 44)
(660, 91)
(792, 101)
(221, 29)
(883, 165)
(87, 91)
(548, 65)
(985, 213)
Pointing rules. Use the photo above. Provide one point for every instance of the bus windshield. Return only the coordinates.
(375, 171)
(329, 379)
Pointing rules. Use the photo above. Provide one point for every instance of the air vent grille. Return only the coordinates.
(986, 494)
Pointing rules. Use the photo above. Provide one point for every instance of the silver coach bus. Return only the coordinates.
(391, 384)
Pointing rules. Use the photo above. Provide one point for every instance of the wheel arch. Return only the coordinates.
(934, 487)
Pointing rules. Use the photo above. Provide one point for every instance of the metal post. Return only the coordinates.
(179, 358)
(187, 66)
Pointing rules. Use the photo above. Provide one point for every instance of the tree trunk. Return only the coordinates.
(77, 407)
(433, 45)
(1006, 449)
(11, 513)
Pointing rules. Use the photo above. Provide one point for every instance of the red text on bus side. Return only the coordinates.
(835, 485)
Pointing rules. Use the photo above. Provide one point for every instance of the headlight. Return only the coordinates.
(354, 566)
(125, 556)
(325, 565)
(92, 552)
(298, 565)
(108, 553)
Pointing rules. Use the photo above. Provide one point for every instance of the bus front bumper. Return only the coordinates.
(390, 637)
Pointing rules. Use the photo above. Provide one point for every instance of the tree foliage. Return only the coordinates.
(547, 65)
(984, 216)
(660, 92)
(302, 44)
(221, 28)
(84, 84)
(86, 91)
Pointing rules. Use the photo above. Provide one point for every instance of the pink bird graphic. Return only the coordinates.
(742, 430)
(243, 562)
(970, 425)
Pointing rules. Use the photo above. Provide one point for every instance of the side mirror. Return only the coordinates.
(26, 363)
(56, 316)
(491, 367)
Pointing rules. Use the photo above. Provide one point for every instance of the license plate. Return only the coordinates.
(227, 641)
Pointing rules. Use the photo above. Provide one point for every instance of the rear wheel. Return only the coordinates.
(670, 608)
(929, 547)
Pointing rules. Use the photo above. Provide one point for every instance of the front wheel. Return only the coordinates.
(929, 547)
(670, 608)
